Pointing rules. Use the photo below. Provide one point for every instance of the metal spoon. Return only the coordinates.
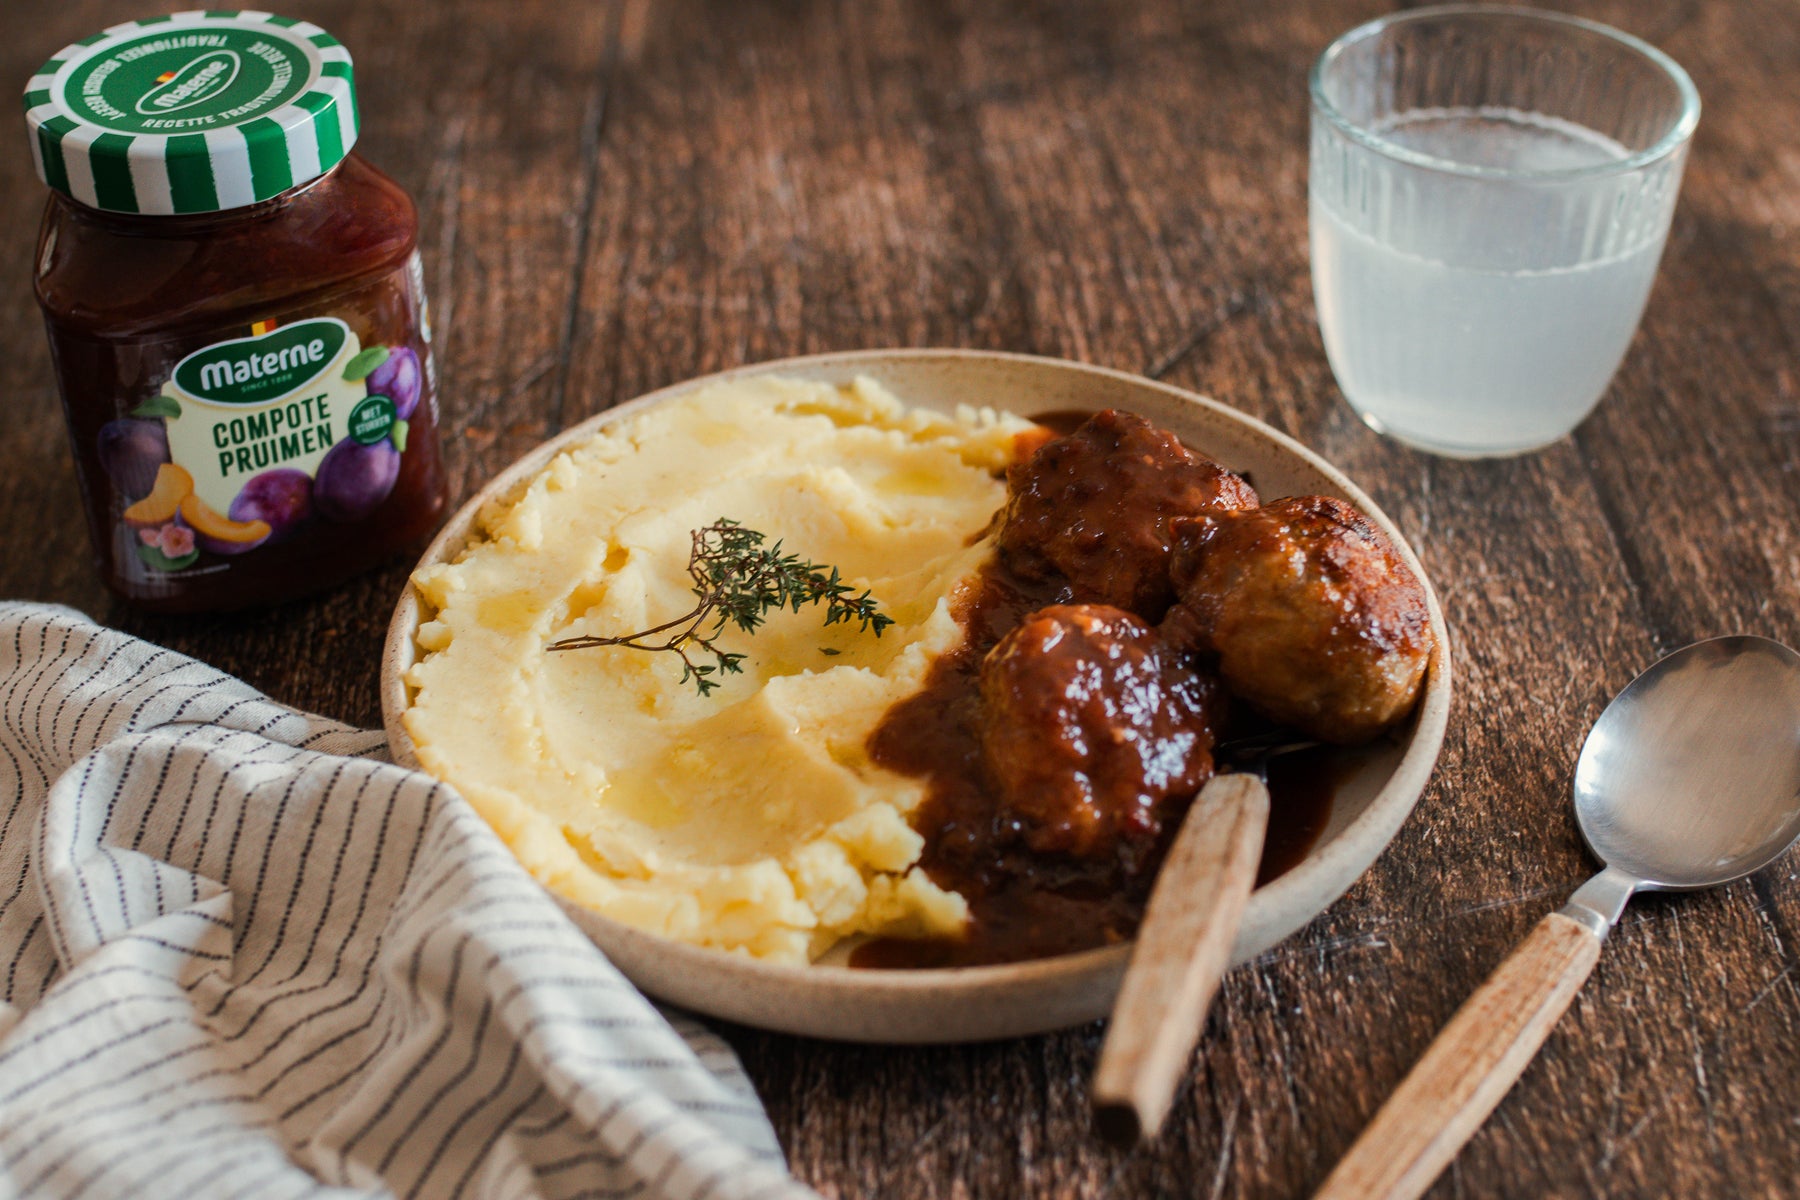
(1690, 779)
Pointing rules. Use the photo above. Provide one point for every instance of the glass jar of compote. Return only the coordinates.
(236, 312)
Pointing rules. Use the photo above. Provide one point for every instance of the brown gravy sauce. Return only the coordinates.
(1025, 906)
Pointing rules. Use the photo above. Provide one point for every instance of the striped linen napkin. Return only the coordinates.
(241, 954)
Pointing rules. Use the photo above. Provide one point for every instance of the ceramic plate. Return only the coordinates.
(975, 1003)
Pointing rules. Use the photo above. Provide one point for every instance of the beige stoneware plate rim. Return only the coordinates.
(964, 1003)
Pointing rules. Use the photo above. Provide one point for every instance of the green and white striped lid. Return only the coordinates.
(194, 112)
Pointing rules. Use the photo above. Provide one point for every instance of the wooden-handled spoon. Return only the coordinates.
(1183, 947)
(1690, 779)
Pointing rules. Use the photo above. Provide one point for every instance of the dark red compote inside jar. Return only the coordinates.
(236, 312)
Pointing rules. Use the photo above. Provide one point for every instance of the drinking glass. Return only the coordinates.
(1490, 190)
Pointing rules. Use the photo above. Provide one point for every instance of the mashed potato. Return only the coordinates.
(752, 819)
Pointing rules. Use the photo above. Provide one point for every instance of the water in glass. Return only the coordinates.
(1502, 351)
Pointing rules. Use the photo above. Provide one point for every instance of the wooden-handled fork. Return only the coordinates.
(1183, 947)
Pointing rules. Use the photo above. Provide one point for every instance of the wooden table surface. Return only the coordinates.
(620, 196)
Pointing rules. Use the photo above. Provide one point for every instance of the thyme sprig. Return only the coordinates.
(739, 581)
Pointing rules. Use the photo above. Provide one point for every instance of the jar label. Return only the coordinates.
(275, 402)
(253, 437)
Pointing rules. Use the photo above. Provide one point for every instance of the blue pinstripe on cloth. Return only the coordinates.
(243, 955)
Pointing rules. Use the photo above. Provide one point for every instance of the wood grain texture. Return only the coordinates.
(618, 196)
(1182, 950)
(1469, 1067)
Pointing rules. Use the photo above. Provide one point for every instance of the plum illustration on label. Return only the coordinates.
(252, 439)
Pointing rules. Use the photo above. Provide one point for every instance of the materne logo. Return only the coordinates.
(254, 370)
(207, 75)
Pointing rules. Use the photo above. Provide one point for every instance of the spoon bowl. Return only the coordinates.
(1691, 777)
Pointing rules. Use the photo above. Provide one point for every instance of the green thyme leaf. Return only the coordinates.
(738, 580)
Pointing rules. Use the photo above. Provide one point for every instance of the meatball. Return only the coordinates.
(1312, 615)
(1096, 507)
(1093, 734)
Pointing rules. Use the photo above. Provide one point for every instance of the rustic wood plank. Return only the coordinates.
(791, 183)
(47, 559)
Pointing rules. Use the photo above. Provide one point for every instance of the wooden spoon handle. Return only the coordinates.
(1478, 1056)
(1183, 947)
